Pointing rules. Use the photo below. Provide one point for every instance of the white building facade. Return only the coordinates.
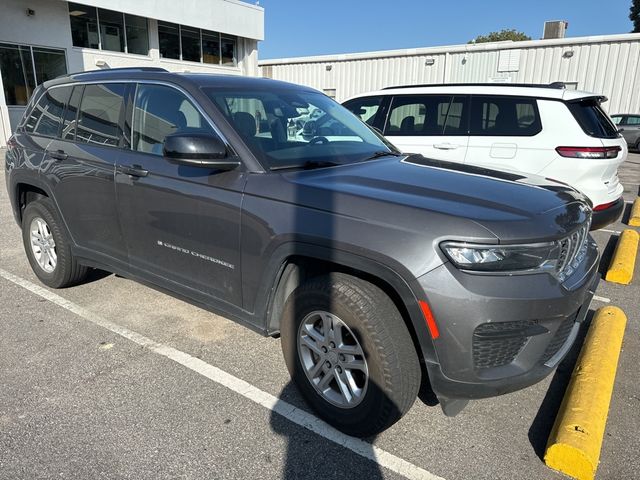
(607, 65)
(41, 39)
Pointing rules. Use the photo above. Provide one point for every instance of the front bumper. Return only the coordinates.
(602, 218)
(502, 333)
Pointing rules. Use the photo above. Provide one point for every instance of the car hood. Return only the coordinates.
(511, 206)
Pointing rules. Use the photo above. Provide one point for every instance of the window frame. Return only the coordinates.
(472, 113)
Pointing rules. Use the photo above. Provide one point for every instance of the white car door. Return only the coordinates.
(504, 134)
(432, 125)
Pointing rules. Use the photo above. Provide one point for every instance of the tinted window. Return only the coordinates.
(427, 115)
(98, 121)
(210, 47)
(505, 116)
(17, 73)
(169, 38)
(84, 25)
(161, 111)
(111, 30)
(592, 118)
(46, 117)
(137, 34)
(228, 51)
(365, 108)
(70, 115)
(190, 44)
(632, 120)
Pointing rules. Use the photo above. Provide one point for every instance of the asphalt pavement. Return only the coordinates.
(112, 379)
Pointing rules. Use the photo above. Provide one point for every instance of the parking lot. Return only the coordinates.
(112, 379)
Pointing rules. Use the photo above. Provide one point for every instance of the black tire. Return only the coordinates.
(67, 271)
(394, 369)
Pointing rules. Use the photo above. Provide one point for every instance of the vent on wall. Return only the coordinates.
(509, 60)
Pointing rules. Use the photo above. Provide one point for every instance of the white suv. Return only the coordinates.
(556, 133)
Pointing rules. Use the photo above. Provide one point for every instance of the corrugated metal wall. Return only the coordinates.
(606, 65)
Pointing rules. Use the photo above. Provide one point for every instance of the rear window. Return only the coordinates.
(593, 120)
(46, 116)
(504, 116)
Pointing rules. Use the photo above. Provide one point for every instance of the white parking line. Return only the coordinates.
(608, 231)
(291, 413)
(601, 299)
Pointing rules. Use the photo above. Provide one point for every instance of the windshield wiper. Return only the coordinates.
(383, 153)
(309, 165)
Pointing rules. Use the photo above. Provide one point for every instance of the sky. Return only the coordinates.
(295, 28)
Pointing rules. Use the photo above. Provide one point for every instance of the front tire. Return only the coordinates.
(349, 352)
(47, 247)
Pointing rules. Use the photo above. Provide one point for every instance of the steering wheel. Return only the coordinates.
(317, 140)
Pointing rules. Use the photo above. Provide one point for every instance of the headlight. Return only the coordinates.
(502, 258)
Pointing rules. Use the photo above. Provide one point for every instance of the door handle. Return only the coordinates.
(445, 146)
(57, 154)
(133, 170)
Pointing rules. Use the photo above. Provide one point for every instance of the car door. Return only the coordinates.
(82, 160)
(180, 223)
(503, 134)
(630, 129)
(432, 125)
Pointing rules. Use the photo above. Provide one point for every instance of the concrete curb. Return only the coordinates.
(634, 218)
(624, 258)
(576, 439)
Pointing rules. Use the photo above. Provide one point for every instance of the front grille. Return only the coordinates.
(572, 251)
(498, 344)
(560, 337)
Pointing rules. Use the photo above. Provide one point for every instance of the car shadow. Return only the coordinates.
(540, 429)
(95, 275)
(607, 254)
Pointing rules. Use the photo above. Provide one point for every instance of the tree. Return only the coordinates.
(506, 34)
(634, 15)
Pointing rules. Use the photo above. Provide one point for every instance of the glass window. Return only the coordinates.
(633, 120)
(111, 30)
(416, 115)
(266, 121)
(161, 111)
(99, 118)
(365, 108)
(592, 118)
(49, 63)
(137, 34)
(84, 26)
(70, 115)
(616, 119)
(210, 47)
(169, 37)
(455, 122)
(190, 44)
(505, 116)
(46, 116)
(228, 51)
(18, 81)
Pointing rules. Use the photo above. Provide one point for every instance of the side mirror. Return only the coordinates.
(198, 150)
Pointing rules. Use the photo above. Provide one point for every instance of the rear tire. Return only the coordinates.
(47, 247)
(355, 317)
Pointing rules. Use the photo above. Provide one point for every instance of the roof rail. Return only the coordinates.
(559, 85)
(120, 69)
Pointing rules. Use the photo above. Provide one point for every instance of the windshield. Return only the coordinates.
(297, 129)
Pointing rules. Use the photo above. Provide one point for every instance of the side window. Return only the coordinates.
(618, 120)
(159, 111)
(425, 115)
(633, 120)
(99, 117)
(70, 114)
(46, 116)
(505, 116)
(365, 108)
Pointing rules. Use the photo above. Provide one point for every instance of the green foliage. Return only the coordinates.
(634, 15)
(503, 35)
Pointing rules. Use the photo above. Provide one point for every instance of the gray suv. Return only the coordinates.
(378, 270)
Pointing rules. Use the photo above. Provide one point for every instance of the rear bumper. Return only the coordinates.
(602, 218)
(499, 334)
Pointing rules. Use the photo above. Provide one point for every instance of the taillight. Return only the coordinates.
(604, 206)
(588, 152)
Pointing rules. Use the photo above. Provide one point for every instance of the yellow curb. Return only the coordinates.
(634, 218)
(624, 258)
(576, 439)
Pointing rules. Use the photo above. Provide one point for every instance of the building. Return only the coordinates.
(603, 64)
(41, 39)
